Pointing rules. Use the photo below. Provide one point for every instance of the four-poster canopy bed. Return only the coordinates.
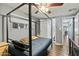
(35, 46)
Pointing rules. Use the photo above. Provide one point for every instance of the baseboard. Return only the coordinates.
(58, 44)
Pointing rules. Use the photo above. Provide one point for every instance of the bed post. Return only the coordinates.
(51, 33)
(30, 29)
(73, 38)
(7, 27)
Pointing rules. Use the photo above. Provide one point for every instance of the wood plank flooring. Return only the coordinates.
(56, 51)
(59, 50)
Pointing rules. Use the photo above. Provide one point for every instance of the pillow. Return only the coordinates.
(24, 40)
(20, 46)
(34, 37)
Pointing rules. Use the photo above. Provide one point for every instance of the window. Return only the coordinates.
(21, 25)
(15, 25)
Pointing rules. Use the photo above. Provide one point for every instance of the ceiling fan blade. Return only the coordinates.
(55, 4)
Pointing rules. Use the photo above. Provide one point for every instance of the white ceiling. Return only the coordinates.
(66, 9)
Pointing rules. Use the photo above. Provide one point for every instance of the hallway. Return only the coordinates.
(60, 50)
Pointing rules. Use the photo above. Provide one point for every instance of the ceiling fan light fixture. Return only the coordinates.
(44, 9)
(45, 6)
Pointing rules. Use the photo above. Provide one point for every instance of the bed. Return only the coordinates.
(39, 45)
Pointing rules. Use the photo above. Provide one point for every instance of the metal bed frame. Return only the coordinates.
(30, 23)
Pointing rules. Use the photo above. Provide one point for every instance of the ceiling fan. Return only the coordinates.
(46, 6)
(55, 4)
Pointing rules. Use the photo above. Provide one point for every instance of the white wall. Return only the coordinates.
(54, 29)
(48, 28)
(70, 29)
(17, 33)
(20, 32)
(0, 29)
(33, 28)
(5, 36)
(45, 28)
(59, 30)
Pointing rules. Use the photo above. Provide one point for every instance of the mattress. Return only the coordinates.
(38, 47)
